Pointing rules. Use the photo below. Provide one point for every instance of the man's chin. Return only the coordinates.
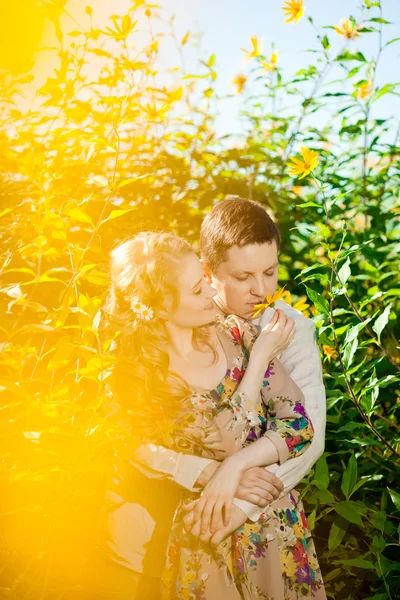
(248, 315)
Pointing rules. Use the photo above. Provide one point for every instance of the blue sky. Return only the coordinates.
(225, 26)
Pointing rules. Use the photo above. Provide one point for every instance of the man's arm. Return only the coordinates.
(302, 361)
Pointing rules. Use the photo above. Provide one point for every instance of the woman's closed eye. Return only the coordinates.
(198, 292)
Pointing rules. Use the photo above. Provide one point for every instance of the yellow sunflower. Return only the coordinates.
(281, 294)
(329, 352)
(272, 64)
(294, 10)
(305, 166)
(257, 48)
(347, 29)
(239, 81)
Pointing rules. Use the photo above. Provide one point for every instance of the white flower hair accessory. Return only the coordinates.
(142, 312)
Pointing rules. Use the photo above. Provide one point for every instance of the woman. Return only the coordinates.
(193, 387)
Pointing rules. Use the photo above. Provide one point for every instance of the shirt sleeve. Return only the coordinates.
(184, 469)
(302, 361)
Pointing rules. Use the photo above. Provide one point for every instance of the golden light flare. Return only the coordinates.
(21, 29)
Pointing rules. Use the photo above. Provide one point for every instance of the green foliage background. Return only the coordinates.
(100, 158)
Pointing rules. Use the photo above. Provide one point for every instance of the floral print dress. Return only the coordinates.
(273, 558)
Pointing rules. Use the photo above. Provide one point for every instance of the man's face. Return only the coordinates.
(245, 277)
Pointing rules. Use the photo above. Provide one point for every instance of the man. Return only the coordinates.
(239, 247)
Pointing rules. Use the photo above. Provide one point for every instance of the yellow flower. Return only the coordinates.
(329, 352)
(239, 81)
(302, 305)
(271, 65)
(298, 190)
(257, 48)
(305, 166)
(294, 10)
(347, 29)
(364, 90)
(270, 301)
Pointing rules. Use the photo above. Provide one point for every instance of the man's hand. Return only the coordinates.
(259, 487)
(236, 520)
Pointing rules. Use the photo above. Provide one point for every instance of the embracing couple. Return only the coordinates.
(225, 415)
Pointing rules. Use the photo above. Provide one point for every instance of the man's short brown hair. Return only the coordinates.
(235, 222)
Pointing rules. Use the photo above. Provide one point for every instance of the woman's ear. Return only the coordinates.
(207, 271)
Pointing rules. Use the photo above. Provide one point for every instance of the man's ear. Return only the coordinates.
(207, 271)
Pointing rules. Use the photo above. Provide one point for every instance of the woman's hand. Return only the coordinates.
(214, 507)
(275, 337)
(238, 517)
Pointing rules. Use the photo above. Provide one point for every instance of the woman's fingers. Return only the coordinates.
(189, 507)
(216, 521)
(206, 517)
(206, 537)
(188, 521)
(199, 508)
(195, 531)
(227, 512)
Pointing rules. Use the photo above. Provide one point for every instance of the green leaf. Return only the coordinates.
(351, 56)
(353, 332)
(321, 473)
(349, 511)
(349, 352)
(344, 272)
(380, 20)
(325, 496)
(392, 41)
(131, 180)
(309, 204)
(99, 180)
(116, 213)
(382, 321)
(337, 533)
(325, 42)
(78, 215)
(360, 563)
(349, 478)
(350, 426)
(395, 496)
(378, 519)
(311, 519)
(320, 303)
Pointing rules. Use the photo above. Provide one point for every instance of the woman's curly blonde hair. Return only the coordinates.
(147, 268)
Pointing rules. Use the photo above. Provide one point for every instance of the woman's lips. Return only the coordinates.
(211, 306)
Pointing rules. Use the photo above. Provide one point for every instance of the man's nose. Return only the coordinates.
(258, 287)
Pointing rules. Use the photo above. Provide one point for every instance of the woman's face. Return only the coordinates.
(195, 305)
